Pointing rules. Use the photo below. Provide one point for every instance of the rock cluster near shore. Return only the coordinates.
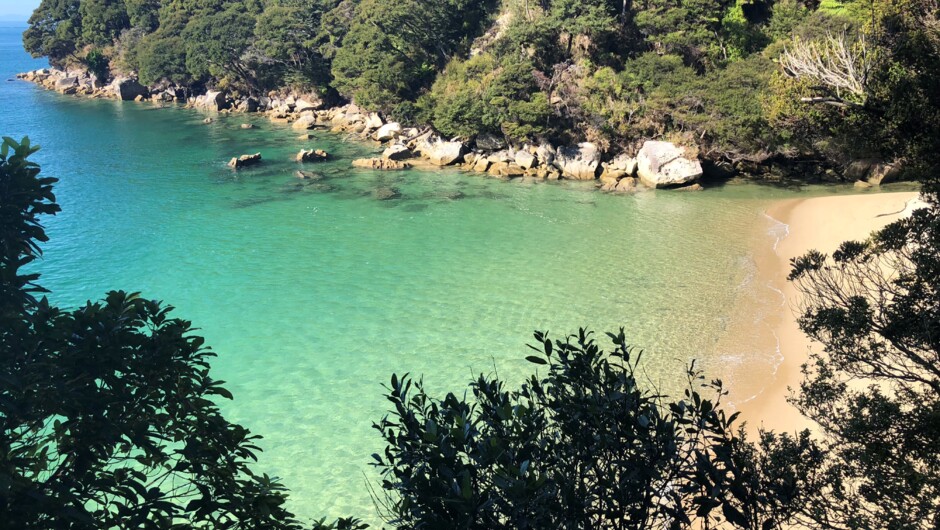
(657, 164)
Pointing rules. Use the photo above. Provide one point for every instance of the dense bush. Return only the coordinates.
(584, 445)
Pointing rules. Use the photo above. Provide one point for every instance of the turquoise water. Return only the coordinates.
(313, 295)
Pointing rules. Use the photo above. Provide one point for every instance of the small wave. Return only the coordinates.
(779, 230)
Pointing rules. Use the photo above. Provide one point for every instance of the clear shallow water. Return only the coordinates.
(313, 295)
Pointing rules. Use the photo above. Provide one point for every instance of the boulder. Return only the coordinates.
(214, 100)
(578, 162)
(247, 126)
(388, 132)
(252, 104)
(380, 163)
(397, 152)
(545, 154)
(311, 155)
(441, 153)
(511, 170)
(526, 160)
(305, 122)
(482, 164)
(127, 89)
(490, 142)
(373, 121)
(308, 102)
(66, 84)
(244, 161)
(622, 164)
(872, 171)
(664, 164)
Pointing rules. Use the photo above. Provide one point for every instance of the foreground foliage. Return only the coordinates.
(875, 388)
(584, 446)
(108, 414)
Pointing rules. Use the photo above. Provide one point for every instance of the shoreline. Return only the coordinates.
(820, 223)
(648, 163)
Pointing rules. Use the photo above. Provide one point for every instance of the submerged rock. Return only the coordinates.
(244, 161)
(247, 126)
(386, 194)
(308, 175)
(664, 164)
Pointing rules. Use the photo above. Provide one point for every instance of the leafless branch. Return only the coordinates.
(840, 66)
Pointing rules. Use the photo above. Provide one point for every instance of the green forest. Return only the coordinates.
(806, 85)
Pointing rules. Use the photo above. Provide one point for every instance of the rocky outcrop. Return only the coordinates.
(212, 100)
(619, 167)
(311, 155)
(387, 132)
(440, 152)
(525, 159)
(664, 164)
(872, 171)
(307, 102)
(244, 161)
(578, 162)
(624, 185)
(66, 85)
(127, 89)
(380, 163)
(397, 152)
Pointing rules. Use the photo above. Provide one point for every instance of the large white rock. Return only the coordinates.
(440, 152)
(214, 100)
(127, 89)
(664, 164)
(578, 162)
(526, 160)
(387, 132)
(307, 102)
(305, 122)
(373, 121)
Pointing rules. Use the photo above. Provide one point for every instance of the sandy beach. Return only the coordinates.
(820, 223)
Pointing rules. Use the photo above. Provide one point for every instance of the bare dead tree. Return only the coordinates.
(838, 65)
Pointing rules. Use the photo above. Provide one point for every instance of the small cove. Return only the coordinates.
(313, 294)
